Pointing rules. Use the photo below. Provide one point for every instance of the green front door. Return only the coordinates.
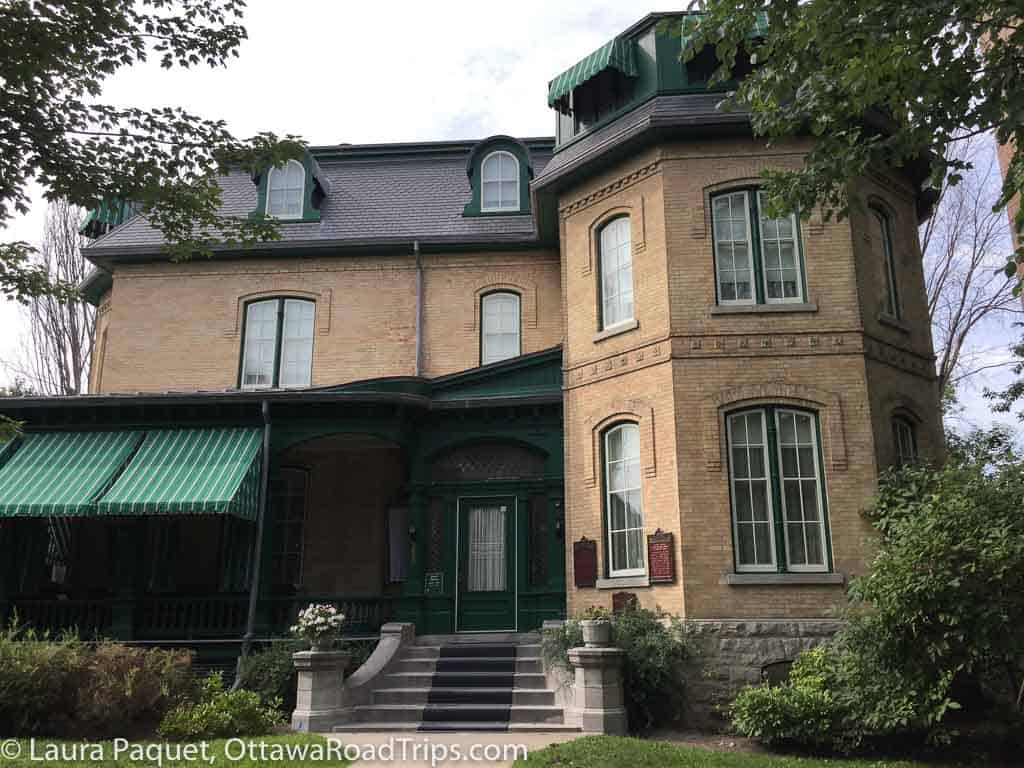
(487, 588)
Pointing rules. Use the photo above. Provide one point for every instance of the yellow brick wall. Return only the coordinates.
(178, 326)
(686, 365)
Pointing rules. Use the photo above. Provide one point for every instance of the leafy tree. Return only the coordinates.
(55, 56)
(877, 83)
(1004, 400)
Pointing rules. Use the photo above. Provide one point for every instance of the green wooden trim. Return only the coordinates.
(824, 496)
(475, 205)
(310, 210)
(775, 475)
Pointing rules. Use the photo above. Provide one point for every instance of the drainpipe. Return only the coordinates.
(419, 307)
(261, 516)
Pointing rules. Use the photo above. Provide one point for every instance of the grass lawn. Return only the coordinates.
(616, 752)
(266, 752)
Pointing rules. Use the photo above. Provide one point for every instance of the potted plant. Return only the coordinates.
(597, 628)
(320, 624)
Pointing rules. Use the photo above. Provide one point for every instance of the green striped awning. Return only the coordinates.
(190, 472)
(760, 27)
(615, 54)
(62, 473)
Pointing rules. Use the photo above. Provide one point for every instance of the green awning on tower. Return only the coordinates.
(190, 472)
(61, 474)
(617, 54)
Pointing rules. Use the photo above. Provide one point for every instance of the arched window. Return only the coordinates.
(905, 438)
(616, 258)
(778, 517)
(881, 239)
(624, 520)
(277, 346)
(499, 176)
(499, 327)
(286, 188)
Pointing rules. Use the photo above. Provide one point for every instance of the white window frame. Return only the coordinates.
(750, 250)
(275, 374)
(502, 206)
(612, 571)
(771, 567)
(624, 222)
(282, 172)
(818, 482)
(797, 260)
(486, 359)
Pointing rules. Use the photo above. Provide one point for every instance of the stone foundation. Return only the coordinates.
(732, 653)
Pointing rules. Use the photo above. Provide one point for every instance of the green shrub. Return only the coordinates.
(654, 669)
(63, 687)
(801, 711)
(271, 672)
(220, 714)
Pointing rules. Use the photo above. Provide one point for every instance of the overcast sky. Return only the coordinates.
(335, 72)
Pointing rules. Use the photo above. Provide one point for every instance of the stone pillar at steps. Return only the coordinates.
(597, 688)
(319, 700)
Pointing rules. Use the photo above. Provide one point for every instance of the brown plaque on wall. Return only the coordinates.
(584, 562)
(661, 556)
(624, 601)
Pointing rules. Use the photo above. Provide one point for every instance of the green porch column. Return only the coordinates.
(6, 568)
(128, 547)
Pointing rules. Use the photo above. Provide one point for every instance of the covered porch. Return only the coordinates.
(358, 495)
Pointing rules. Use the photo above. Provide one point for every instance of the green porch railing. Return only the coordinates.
(181, 617)
(362, 614)
(89, 618)
(186, 618)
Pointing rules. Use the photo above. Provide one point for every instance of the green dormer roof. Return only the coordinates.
(617, 53)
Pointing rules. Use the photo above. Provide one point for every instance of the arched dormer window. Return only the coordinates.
(499, 178)
(286, 190)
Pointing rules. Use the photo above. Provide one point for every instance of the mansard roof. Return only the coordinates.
(381, 196)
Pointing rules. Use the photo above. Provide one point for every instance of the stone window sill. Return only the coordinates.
(780, 579)
(756, 309)
(621, 582)
(892, 322)
(614, 330)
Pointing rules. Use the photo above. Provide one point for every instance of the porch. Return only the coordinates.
(363, 504)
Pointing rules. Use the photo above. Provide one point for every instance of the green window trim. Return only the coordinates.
(904, 435)
(315, 189)
(278, 339)
(474, 169)
(756, 229)
(775, 504)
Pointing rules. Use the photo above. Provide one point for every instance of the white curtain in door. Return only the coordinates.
(487, 549)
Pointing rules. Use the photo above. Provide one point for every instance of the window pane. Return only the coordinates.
(297, 344)
(500, 326)
(623, 500)
(881, 241)
(805, 542)
(499, 176)
(745, 535)
(491, 192)
(286, 190)
(778, 251)
(259, 344)
(616, 272)
(733, 261)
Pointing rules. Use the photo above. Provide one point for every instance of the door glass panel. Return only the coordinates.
(486, 566)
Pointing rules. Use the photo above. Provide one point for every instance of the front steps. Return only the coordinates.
(464, 683)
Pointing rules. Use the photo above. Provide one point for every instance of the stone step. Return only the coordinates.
(378, 727)
(466, 650)
(465, 695)
(463, 679)
(457, 713)
(469, 664)
(481, 638)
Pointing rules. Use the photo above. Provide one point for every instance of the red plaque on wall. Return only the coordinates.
(661, 556)
(624, 601)
(584, 562)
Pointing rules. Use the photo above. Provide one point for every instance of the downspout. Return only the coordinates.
(419, 307)
(261, 516)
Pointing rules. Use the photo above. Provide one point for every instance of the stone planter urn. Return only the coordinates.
(321, 644)
(597, 633)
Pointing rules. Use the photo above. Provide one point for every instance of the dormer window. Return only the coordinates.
(286, 188)
(500, 182)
